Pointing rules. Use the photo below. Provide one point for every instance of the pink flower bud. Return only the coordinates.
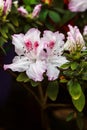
(22, 11)
(36, 10)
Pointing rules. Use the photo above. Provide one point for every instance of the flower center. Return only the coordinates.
(51, 45)
(28, 45)
(36, 45)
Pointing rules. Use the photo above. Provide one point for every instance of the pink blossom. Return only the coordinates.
(22, 11)
(77, 5)
(36, 10)
(7, 6)
(75, 39)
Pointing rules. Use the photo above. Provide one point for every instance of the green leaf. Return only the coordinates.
(74, 89)
(54, 16)
(84, 76)
(33, 83)
(80, 120)
(22, 77)
(74, 65)
(63, 81)
(52, 90)
(33, 2)
(70, 116)
(79, 103)
(11, 27)
(28, 2)
(15, 21)
(2, 31)
(65, 66)
(28, 8)
(43, 15)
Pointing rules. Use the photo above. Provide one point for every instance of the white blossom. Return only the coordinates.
(77, 5)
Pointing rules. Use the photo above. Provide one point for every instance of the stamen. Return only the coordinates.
(28, 45)
(36, 44)
(51, 44)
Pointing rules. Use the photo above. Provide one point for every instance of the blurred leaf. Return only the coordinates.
(80, 121)
(2, 41)
(54, 16)
(84, 76)
(15, 21)
(70, 116)
(43, 14)
(65, 66)
(74, 65)
(33, 83)
(79, 103)
(2, 31)
(30, 2)
(63, 81)
(74, 89)
(28, 8)
(11, 27)
(52, 90)
(22, 77)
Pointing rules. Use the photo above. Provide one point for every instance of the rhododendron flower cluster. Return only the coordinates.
(38, 55)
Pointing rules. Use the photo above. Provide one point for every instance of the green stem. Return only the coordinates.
(41, 95)
(44, 115)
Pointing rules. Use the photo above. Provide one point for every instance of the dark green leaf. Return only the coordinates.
(65, 66)
(84, 76)
(52, 90)
(80, 121)
(22, 77)
(74, 89)
(79, 103)
(3, 32)
(54, 16)
(11, 27)
(33, 83)
(74, 65)
(43, 15)
(70, 116)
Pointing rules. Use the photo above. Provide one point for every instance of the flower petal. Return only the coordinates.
(78, 5)
(52, 72)
(36, 70)
(18, 42)
(32, 35)
(19, 64)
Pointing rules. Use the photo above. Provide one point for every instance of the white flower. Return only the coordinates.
(22, 11)
(53, 48)
(29, 58)
(78, 5)
(36, 10)
(75, 40)
(85, 31)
